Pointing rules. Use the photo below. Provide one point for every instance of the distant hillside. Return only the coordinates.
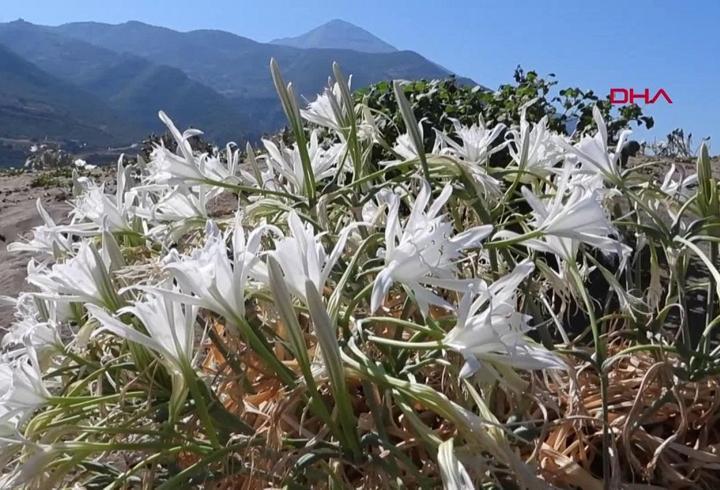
(237, 66)
(129, 85)
(139, 89)
(338, 34)
(213, 80)
(37, 105)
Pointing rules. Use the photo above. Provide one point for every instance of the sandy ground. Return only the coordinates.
(18, 215)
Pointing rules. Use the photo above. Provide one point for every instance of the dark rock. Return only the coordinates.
(224, 204)
(629, 149)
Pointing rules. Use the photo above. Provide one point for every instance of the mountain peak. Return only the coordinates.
(338, 34)
(339, 22)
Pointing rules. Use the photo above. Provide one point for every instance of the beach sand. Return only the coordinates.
(18, 215)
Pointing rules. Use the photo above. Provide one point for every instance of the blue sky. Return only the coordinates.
(644, 43)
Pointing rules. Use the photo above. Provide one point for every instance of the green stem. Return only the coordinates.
(433, 344)
(512, 241)
(403, 323)
(85, 401)
(711, 291)
(192, 380)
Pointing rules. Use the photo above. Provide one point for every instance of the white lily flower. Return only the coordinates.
(302, 256)
(676, 191)
(593, 152)
(170, 326)
(252, 174)
(166, 167)
(374, 210)
(41, 336)
(405, 147)
(104, 210)
(424, 251)
(21, 383)
(680, 187)
(324, 110)
(219, 283)
(83, 165)
(534, 148)
(169, 323)
(175, 204)
(29, 306)
(475, 141)
(264, 179)
(574, 215)
(47, 238)
(83, 278)
(286, 162)
(490, 329)
(472, 154)
(328, 109)
(96, 206)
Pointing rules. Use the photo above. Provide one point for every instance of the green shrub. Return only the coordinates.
(438, 102)
(58, 177)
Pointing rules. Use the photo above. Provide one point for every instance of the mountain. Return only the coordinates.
(138, 90)
(338, 34)
(237, 67)
(35, 105)
(130, 86)
(209, 79)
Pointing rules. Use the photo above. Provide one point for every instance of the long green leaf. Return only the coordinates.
(283, 302)
(292, 112)
(330, 348)
(453, 473)
(412, 126)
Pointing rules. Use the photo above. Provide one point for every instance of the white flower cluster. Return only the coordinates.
(77, 274)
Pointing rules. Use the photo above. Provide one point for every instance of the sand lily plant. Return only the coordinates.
(504, 307)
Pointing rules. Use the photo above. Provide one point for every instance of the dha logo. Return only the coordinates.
(629, 95)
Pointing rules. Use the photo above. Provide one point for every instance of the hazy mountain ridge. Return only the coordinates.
(210, 79)
(35, 104)
(238, 67)
(132, 86)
